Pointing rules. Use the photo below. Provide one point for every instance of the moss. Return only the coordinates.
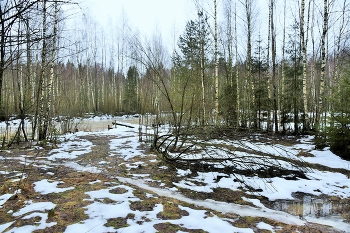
(167, 227)
(172, 211)
(117, 223)
(139, 193)
(145, 205)
(168, 179)
(172, 228)
(4, 188)
(346, 210)
(69, 212)
(51, 213)
(107, 201)
(118, 190)
(251, 222)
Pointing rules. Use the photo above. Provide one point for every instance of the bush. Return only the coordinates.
(339, 136)
(338, 132)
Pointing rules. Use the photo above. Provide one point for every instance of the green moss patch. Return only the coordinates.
(171, 211)
(117, 223)
(145, 205)
(118, 190)
(172, 228)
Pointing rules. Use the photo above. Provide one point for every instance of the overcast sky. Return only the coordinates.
(147, 16)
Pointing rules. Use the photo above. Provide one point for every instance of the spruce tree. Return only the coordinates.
(338, 134)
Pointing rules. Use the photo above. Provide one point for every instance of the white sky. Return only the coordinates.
(147, 16)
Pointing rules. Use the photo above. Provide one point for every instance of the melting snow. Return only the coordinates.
(46, 187)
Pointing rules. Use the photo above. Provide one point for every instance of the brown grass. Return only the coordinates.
(70, 205)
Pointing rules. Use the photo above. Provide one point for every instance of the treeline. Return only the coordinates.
(283, 69)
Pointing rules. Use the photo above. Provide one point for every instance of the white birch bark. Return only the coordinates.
(238, 103)
(321, 99)
(216, 55)
(304, 40)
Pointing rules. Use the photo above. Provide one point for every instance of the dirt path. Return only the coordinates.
(122, 164)
(219, 206)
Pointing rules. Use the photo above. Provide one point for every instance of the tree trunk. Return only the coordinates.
(283, 70)
(274, 80)
(269, 81)
(216, 54)
(238, 96)
(202, 69)
(2, 60)
(252, 112)
(304, 40)
(39, 110)
(321, 98)
(49, 106)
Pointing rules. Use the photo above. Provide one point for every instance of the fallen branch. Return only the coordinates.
(128, 126)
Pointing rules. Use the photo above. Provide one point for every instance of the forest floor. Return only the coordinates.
(108, 181)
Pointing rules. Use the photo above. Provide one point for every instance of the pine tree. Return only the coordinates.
(194, 45)
(130, 95)
(338, 134)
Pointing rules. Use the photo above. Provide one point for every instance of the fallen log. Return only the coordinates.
(129, 126)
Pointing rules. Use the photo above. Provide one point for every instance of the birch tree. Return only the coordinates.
(274, 75)
(40, 97)
(283, 121)
(304, 42)
(10, 14)
(248, 8)
(321, 98)
(216, 57)
(238, 96)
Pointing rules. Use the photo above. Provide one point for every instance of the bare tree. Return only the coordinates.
(216, 58)
(238, 96)
(283, 69)
(274, 73)
(248, 7)
(321, 99)
(10, 13)
(304, 42)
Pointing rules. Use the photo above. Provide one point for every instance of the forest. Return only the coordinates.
(240, 122)
(233, 68)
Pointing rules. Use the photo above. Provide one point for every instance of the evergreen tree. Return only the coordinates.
(130, 94)
(338, 133)
(259, 69)
(292, 104)
(195, 46)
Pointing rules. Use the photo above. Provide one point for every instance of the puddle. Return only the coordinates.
(100, 125)
(88, 124)
(314, 207)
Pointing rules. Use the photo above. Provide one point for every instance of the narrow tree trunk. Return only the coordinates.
(39, 110)
(269, 81)
(49, 92)
(238, 96)
(229, 43)
(274, 80)
(29, 86)
(304, 40)
(252, 112)
(216, 54)
(202, 62)
(338, 46)
(313, 80)
(283, 70)
(2, 60)
(321, 99)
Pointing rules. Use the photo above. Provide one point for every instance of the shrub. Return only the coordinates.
(339, 136)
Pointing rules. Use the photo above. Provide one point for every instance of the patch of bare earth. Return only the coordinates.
(70, 205)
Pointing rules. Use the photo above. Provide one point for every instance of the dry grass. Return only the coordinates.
(171, 211)
(70, 205)
(172, 228)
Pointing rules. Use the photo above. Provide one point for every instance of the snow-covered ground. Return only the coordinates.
(78, 152)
